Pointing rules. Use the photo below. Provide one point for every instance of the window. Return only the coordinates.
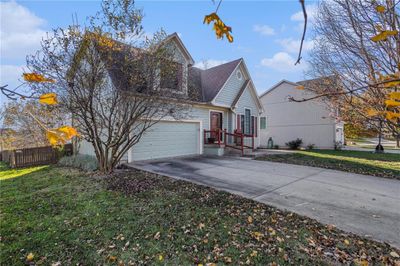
(247, 127)
(263, 122)
(239, 75)
(242, 123)
(171, 77)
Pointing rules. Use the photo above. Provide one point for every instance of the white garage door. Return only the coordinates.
(167, 139)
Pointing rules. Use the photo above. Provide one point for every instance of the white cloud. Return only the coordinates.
(283, 62)
(206, 64)
(20, 32)
(10, 75)
(291, 45)
(264, 30)
(311, 14)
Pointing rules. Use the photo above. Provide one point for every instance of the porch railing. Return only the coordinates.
(236, 140)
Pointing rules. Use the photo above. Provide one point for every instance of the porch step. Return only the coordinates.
(246, 153)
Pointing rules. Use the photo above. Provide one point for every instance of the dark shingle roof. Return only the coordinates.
(214, 78)
(203, 85)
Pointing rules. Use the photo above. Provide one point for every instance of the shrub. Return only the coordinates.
(85, 162)
(294, 144)
(310, 147)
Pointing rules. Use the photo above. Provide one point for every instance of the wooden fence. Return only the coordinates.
(35, 156)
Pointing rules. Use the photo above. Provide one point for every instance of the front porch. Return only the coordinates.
(218, 142)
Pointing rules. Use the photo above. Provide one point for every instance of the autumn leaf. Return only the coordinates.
(249, 219)
(157, 236)
(347, 242)
(372, 112)
(300, 87)
(395, 95)
(392, 115)
(254, 253)
(380, 9)
(219, 26)
(392, 103)
(70, 132)
(383, 35)
(30, 257)
(61, 135)
(160, 257)
(48, 98)
(35, 77)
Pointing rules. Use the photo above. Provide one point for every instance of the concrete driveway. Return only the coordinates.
(365, 205)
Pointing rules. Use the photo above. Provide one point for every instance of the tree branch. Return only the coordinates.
(304, 31)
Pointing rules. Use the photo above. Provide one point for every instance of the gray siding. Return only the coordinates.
(232, 87)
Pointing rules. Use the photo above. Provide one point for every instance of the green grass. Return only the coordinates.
(63, 215)
(360, 162)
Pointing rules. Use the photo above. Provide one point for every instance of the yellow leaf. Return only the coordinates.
(393, 83)
(383, 35)
(254, 253)
(35, 77)
(112, 258)
(48, 98)
(30, 257)
(300, 87)
(60, 135)
(250, 219)
(160, 257)
(219, 26)
(392, 115)
(380, 9)
(70, 132)
(54, 138)
(395, 95)
(347, 242)
(392, 103)
(372, 112)
(228, 259)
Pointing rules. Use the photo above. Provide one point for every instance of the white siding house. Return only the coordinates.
(225, 99)
(284, 120)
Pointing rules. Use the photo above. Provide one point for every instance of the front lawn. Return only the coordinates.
(62, 216)
(359, 162)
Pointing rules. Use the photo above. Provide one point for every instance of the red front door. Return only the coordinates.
(215, 122)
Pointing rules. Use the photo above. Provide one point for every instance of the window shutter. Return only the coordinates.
(255, 125)
(252, 125)
(238, 122)
(242, 126)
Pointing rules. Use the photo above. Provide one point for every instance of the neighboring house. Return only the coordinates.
(222, 97)
(284, 120)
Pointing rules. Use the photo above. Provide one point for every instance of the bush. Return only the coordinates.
(294, 144)
(310, 147)
(85, 162)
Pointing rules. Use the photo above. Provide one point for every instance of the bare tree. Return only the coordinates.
(344, 50)
(115, 85)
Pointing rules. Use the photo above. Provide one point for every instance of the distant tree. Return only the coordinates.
(20, 128)
(358, 43)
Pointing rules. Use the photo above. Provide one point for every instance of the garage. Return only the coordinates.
(167, 139)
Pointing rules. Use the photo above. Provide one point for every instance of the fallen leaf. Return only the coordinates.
(157, 236)
(347, 242)
(254, 253)
(250, 219)
(30, 257)
(201, 225)
(394, 254)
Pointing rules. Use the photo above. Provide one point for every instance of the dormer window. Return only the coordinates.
(172, 77)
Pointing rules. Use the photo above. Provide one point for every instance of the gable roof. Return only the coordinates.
(182, 46)
(213, 79)
(277, 85)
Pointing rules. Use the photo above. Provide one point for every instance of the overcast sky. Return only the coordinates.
(267, 33)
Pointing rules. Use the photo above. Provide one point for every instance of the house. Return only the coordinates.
(284, 120)
(225, 112)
